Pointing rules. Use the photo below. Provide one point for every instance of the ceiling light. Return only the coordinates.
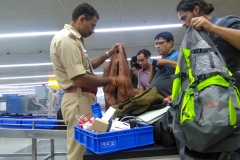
(27, 34)
(154, 57)
(96, 30)
(24, 84)
(27, 77)
(16, 90)
(137, 28)
(25, 93)
(25, 65)
(46, 64)
(15, 87)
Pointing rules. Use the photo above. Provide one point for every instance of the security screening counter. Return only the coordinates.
(35, 134)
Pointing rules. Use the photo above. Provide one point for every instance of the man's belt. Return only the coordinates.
(73, 89)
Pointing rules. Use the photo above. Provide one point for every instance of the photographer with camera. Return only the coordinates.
(163, 68)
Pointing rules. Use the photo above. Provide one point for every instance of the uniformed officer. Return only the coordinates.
(74, 71)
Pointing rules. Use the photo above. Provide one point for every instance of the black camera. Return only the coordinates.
(152, 62)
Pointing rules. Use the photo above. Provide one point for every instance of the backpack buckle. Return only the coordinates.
(194, 84)
(183, 74)
(201, 76)
(233, 80)
(199, 50)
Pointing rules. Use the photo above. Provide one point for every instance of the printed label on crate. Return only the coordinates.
(108, 144)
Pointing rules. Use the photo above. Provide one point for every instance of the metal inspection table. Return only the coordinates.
(146, 151)
(11, 131)
(34, 134)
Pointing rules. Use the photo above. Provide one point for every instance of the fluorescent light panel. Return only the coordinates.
(27, 34)
(46, 76)
(27, 77)
(16, 90)
(15, 87)
(24, 84)
(154, 57)
(30, 77)
(25, 93)
(138, 28)
(25, 65)
(97, 30)
(46, 64)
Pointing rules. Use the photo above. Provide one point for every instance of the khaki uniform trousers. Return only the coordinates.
(78, 103)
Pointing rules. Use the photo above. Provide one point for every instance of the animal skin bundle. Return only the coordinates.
(118, 66)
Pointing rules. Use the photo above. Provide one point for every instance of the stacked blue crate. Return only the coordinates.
(40, 122)
(15, 104)
(6, 122)
(27, 121)
(46, 124)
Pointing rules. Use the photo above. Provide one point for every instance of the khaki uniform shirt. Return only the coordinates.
(69, 56)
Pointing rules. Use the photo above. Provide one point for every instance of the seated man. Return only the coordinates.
(143, 74)
(160, 77)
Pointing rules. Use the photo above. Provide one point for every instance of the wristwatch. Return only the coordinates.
(107, 54)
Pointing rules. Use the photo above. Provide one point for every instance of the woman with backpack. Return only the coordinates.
(224, 32)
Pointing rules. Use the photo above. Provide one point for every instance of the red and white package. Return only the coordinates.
(85, 121)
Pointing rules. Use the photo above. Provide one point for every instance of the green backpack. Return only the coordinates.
(206, 113)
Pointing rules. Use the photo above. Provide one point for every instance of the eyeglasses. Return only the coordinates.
(140, 61)
(160, 43)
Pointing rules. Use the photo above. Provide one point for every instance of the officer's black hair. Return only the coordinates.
(188, 5)
(84, 9)
(145, 52)
(165, 35)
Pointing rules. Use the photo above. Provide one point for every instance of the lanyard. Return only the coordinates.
(89, 61)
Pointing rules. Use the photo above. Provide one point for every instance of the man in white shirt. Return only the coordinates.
(55, 99)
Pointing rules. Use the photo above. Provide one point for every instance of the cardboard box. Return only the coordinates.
(100, 125)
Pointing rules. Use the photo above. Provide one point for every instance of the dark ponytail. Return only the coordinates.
(208, 8)
(188, 5)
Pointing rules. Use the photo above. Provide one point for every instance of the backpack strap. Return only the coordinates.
(181, 74)
(197, 108)
(176, 102)
(182, 145)
(204, 34)
(205, 50)
(176, 127)
(234, 100)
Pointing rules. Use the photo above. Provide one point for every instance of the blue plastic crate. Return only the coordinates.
(15, 104)
(26, 124)
(40, 124)
(102, 143)
(46, 125)
(9, 122)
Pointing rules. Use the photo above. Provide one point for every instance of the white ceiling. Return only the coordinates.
(17, 16)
